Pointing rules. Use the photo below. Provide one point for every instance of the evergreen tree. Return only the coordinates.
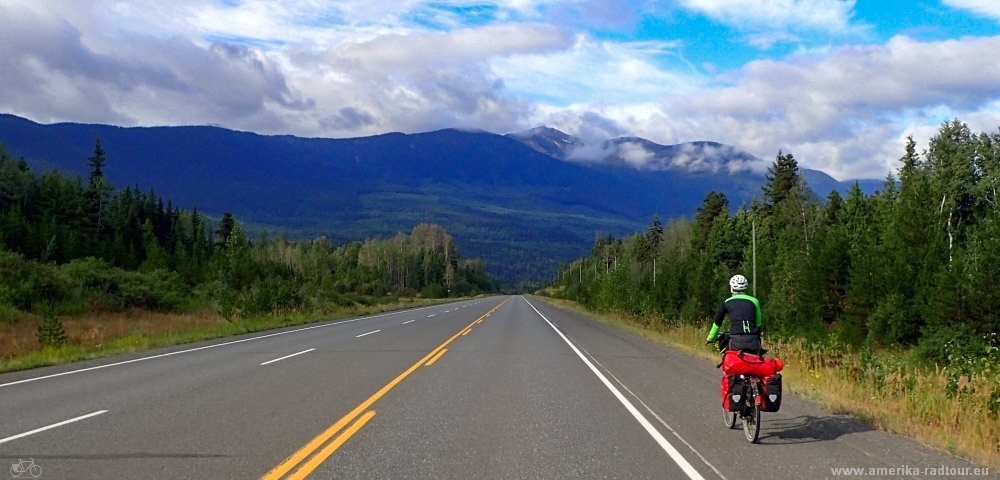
(650, 245)
(98, 194)
(832, 262)
(226, 226)
(714, 205)
(710, 232)
(781, 179)
(50, 332)
(156, 255)
(96, 162)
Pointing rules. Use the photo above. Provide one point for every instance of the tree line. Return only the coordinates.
(912, 265)
(73, 247)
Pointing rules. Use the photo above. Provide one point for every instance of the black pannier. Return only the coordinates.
(772, 393)
(733, 393)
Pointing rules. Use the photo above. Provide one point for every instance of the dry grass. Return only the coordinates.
(939, 407)
(881, 389)
(105, 334)
(97, 330)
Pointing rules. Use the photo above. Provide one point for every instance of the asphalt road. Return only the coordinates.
(495, 388)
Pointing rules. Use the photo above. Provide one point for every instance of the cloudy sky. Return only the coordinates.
(839, 84)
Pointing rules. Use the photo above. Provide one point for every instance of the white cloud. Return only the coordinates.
(456, 47)
(362, 67)
(635, 154)
(766, 40)
(846, 111)
(596, 72)
(986, 8)
(769, 15)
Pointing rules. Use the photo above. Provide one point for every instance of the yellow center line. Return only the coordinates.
(315, 462)
(311, 447)
(431, 361)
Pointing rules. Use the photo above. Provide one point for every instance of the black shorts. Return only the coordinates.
(746, 343)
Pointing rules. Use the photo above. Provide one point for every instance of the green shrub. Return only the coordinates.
(959, 346)
(271, 295)
(9, 314)
(25, 284)
(113, 289)
(433, 290)
(890, 323)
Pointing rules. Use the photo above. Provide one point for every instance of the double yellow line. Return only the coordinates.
(311, 456)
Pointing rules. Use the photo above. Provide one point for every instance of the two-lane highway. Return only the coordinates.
(501, 387)
(512, 399)
(230, 409)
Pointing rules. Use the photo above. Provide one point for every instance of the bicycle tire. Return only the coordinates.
(35, 471)
(729, 418)
(751, 417)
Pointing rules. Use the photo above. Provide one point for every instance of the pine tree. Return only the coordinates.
(650, 242)
(51, 333)
(156, 255)
(226, 226)
(714, 205)
(781, 179)
(98, 194)
(711, 233)
(96, 161)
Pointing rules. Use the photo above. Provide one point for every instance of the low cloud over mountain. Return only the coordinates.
(642, 154)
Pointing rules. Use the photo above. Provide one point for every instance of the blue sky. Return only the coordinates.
(840, 84)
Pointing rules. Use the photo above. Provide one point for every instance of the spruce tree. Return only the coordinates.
(226, 226)
(98, 194)
(650, 242)
(781, 179)
(51, 333)
(96, 162)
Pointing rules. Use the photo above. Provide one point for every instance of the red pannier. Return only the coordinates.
(741, 363)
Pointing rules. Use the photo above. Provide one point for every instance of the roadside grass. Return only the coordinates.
(106, 334)
(946, 409)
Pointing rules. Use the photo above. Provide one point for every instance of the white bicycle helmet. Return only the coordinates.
(738, 283)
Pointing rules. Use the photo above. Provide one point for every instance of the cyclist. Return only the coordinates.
(744, 315)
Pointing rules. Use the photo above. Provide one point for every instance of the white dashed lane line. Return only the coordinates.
(287, 356)
(54, 425)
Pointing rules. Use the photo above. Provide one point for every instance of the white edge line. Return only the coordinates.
(369, 333)
(26, 380)
(54, 425)
(657, 417)
(409, 321)
(664, 444)
(287, 356)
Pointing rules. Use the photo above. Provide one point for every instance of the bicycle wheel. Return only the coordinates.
(751, 416)
(729, 418)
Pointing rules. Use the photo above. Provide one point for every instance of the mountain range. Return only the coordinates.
(523, 202)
